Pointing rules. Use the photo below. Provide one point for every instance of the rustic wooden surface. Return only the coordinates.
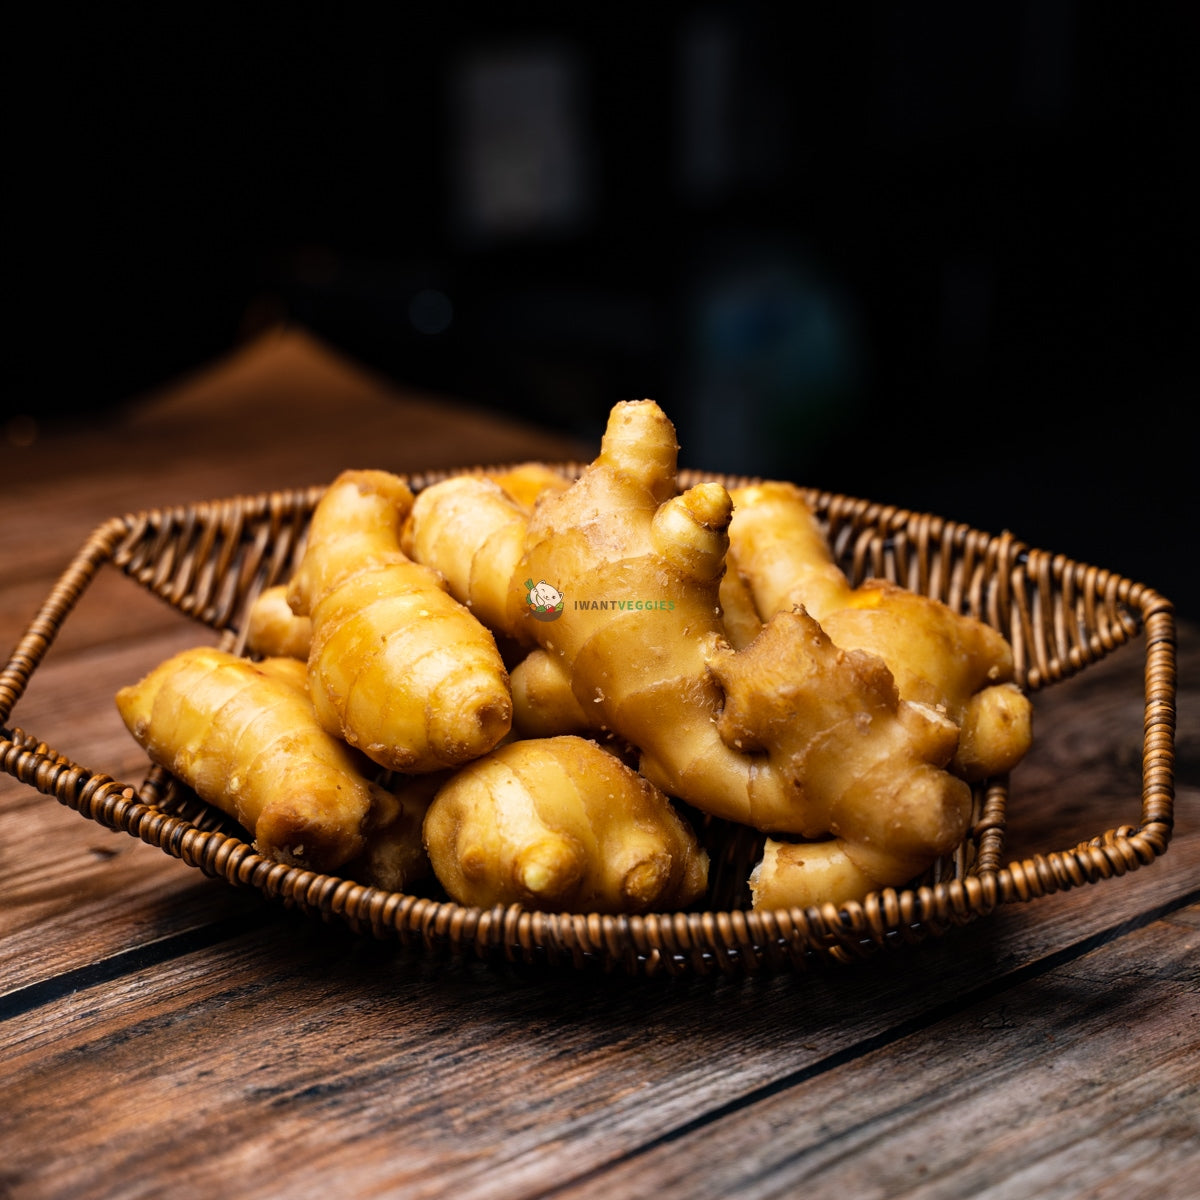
(165, 1034)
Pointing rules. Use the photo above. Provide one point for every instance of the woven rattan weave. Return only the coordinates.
(210, 560)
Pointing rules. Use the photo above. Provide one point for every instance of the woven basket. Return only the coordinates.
(209, 561)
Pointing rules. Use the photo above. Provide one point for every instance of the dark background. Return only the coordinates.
(940, 255)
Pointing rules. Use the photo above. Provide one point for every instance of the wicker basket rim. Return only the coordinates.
(700, 941)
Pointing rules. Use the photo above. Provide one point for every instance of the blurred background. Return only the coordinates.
(939, 255)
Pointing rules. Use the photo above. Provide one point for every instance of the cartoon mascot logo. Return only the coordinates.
(544, 601)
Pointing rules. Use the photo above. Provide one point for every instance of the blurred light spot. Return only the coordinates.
(521, 157)
(773, 368)
(430, 311)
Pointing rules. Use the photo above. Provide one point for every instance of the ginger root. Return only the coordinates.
(471, 532)
(801, 874)
(246, 741)
(397, 667)
(870, 766)
(644, 562)
(273, 630)
(779, 558)
(393, 855)
(710, 638)
(527, 482)
(243, 736)
(560, 824)
(543, 702)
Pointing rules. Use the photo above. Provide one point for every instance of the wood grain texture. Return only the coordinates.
(166, 1034)
(417, 1077)
(1033, 1091)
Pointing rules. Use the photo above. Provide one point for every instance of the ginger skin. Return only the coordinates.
(543, 702)
(870, 765)
(287, 669)
(397, 667)
(471, 532)
(243, 736)
(559, 824)
(245, 740)
(527, 482)
(476, 536)
(273, 630)
(789, 735)
(393, 855)
(779, 558)
(622, 530)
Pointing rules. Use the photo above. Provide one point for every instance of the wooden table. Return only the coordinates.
(165, 1034)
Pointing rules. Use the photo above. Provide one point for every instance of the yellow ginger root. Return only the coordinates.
(801, 874)
(477, 535)
(288, 670)
(779, 558)
(942, 658)
(472, 532)
(996, 733)
(243, 736)
(543, 702)
(640, 564)
(527, 482)
(245, 740)
(273, 630)
(644, 561)
(739, 614)
(870, 766)
(560, 824)
(809, 741)
(393, 855)
(397, 667)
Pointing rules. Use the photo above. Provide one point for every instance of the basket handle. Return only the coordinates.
(1127, 847)
(42, 630)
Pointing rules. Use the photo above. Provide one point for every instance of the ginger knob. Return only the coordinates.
(560, 824)
(397, 667)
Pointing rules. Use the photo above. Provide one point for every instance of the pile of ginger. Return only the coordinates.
(409, 708)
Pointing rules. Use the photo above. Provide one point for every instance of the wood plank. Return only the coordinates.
(428, 1077)
(112, 608)
(71, 891)
(1101, 1099)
